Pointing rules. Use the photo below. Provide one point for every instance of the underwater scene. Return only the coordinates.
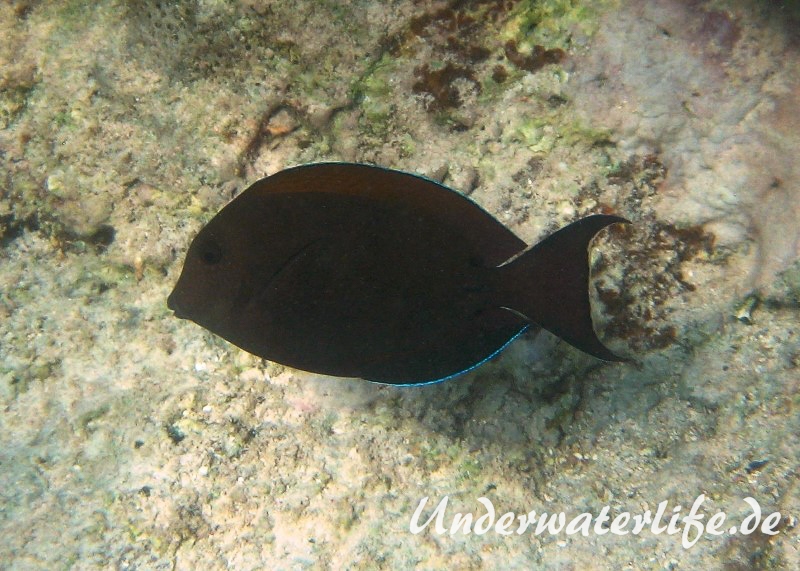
(399, 284)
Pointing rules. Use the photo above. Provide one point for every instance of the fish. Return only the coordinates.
(355, 270)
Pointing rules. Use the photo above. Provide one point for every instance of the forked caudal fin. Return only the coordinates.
(549, 284)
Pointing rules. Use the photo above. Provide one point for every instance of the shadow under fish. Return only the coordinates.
(355, 270)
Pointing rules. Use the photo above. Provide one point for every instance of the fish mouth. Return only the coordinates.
(174, 305)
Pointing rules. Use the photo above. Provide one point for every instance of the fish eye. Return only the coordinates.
(210, 252)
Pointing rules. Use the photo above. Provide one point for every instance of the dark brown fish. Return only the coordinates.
(359, 271)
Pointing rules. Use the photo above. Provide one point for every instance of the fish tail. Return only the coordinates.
(548, 284)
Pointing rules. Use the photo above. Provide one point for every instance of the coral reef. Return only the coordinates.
(132, 440)
(710, 93)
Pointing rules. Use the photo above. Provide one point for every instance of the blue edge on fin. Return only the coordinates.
(467, 370)
(467, 198)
